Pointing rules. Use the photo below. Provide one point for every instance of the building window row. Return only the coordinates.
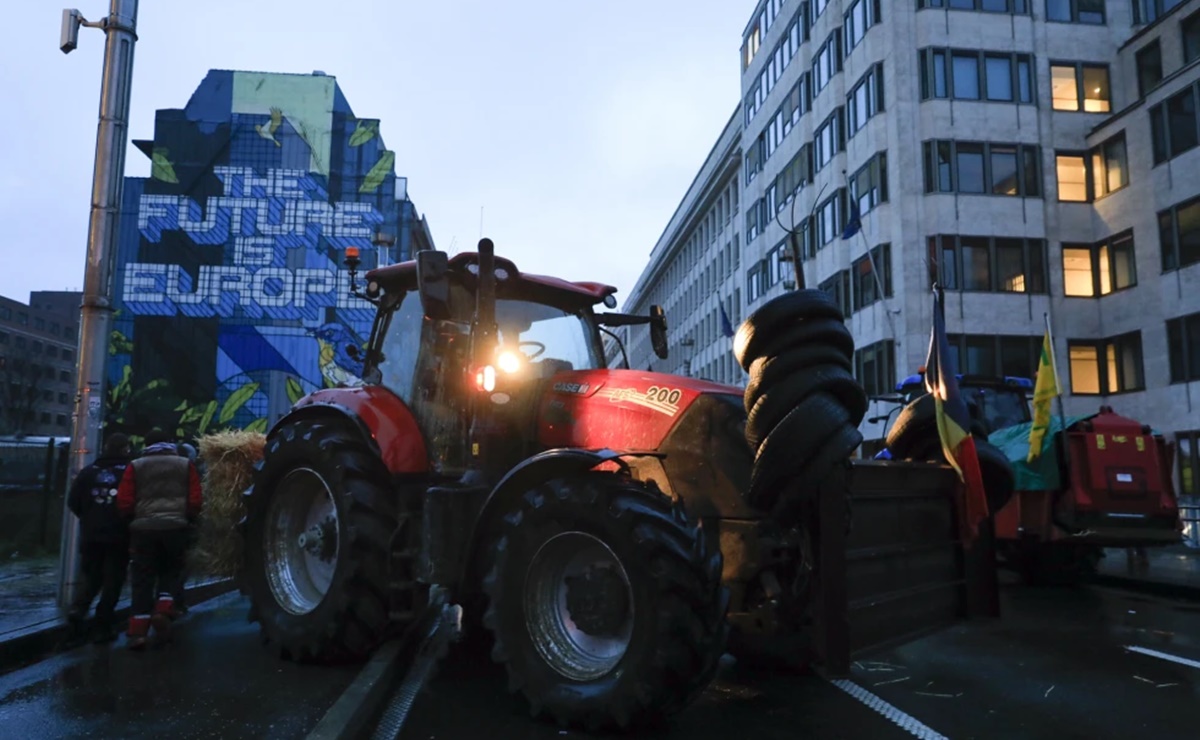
(1083, 177)
(752, 41)
(1106, 366)
(988, 264)
(1080, 86)
(1148, 11)
(829, 220)
(865, 100)
(829, 139)
(827, 61)
(781, 57)
(1183, 343)
(1179, 234)
(1094, 270)
(856, 288)
(1174, 127)
(769, 271)
(973, 74)
(868, 186)
(875, 367)
(795, 175)
(794, 106)
(858, 20)
(981, 168)
(1076, 11)
(1017, 7)
(995, 356)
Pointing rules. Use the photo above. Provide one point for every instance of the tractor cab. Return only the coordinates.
(995, 402)
(470, 336)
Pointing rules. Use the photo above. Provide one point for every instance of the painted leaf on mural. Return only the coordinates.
(294, 391)
(119, 344)
(378, 173)
(258, 425)
(362, 134)
(161, 167)
(207, 418)
(236, 400)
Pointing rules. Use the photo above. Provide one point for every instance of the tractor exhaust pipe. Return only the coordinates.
(485, 304)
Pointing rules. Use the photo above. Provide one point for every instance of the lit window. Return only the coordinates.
(1091, 270)
(1076, 86)
(1106, 366)
(1072, 177)
(1064, 92)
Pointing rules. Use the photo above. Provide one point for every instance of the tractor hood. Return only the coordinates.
(621, 409)
(697, 428)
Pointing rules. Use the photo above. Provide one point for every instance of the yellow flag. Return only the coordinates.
(1044, 391)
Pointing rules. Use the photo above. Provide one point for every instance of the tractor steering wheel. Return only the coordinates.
(541, 349)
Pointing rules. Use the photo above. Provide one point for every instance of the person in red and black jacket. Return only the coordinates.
(160, 495)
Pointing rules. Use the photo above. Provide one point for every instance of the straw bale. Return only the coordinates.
(229, 459)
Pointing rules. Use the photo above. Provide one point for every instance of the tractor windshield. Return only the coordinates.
(546, 340)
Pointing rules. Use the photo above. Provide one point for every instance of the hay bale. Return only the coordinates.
(229, 459)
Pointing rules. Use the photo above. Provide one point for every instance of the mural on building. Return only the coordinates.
(232, 301)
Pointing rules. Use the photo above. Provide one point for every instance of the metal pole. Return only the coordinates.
(95, 324)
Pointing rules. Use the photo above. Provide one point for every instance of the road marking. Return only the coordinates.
(1164, 656)
(906, 722)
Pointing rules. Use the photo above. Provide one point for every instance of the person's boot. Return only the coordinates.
(162, 618)
(136, 635)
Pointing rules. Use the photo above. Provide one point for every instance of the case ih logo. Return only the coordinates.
(662, 400)
(575, 388)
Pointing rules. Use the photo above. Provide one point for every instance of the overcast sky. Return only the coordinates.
(576, 126)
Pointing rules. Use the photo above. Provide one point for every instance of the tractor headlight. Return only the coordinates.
(508, 362)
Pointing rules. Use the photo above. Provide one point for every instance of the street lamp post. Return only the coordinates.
(95, 321)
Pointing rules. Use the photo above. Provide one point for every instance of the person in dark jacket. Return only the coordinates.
(103, 537)
(160, 495)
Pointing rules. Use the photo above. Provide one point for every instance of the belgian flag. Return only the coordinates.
(954, 422)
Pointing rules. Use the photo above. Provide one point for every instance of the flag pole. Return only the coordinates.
(874, 266)
(1064, 448)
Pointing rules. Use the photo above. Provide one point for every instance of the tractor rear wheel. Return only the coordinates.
(605, 602)
(319, 520)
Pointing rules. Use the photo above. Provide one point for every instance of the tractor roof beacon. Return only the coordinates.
(579, 513)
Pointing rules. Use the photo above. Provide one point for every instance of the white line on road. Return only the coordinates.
(1164, 656)
(906, 722)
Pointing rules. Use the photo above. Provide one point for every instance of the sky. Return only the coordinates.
(575, 127)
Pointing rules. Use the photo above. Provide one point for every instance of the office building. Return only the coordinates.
(38, 342)
(1036, 158)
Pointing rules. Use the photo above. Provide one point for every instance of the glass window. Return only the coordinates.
(944, 169)
(1116, 172)
(1095, 89)
(980, 355)
(1122, 268)
(1191, 37)
(1064, 89)
(1010, 265)
(970, 168)
(966, 76)
(1085, 369)
(1058, 10)
(1090, 11)
(1158, 134)
(1004, 170)
(998, 71)
(1072, 177)
(939, 74)
(1181, 122)
(1032, 171)
(1024, 79)
(1078, 280)
(1149, 68)
(976, 263)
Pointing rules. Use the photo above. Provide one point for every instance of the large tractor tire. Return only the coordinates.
(605, 603)
(803, 403)
(319, 519)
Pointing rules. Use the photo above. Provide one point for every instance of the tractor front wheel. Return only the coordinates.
(319, 519)
(605, 603)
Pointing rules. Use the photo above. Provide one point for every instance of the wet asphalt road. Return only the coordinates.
(1055, 666)
(216, 681)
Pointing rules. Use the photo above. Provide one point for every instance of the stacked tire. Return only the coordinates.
(914, 436)
(803, 404)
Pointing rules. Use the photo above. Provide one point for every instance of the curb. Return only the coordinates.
(362, 701)
(39, 642)
(1164, 589)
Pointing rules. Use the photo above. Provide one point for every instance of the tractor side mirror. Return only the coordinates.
(658, 331)
(432, 285)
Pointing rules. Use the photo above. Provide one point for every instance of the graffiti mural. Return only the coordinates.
(231, 298)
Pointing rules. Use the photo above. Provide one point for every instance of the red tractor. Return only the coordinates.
(607, 527)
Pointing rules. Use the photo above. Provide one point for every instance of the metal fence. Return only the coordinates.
(33, 482)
